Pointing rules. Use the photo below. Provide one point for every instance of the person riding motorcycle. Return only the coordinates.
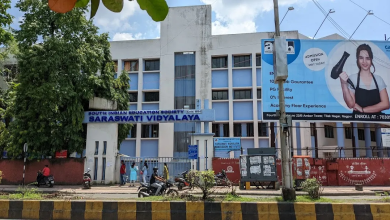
(43, 174)
(153, 179)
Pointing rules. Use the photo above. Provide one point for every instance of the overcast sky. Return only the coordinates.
(246, 16)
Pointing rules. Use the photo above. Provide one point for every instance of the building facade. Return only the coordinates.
(187, 63)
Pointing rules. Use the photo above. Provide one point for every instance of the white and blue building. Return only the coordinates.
(188, 62)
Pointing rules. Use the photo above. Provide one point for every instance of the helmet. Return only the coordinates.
(155, 169)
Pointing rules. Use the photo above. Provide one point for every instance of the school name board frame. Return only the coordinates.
(150, 116)
(330, 80)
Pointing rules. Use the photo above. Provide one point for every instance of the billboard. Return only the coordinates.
(330, 80)
(227, 144)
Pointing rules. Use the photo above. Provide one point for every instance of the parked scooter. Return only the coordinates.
(87, 179)
(221, 179)
(146, 190)
(46, 181)
(182, 180)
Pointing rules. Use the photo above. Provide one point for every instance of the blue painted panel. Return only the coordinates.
(184, 87)
(133, 81)
(151, 106)
(242, 111)
(258, 76)
(133, 106)
(221, 111)
(245, 143)
(219, 79)
(149, 148)
(259, 111)
(184, 59)
(151, 80)
(222, 154)
(242, 77)
(128, 148)
(263, 143)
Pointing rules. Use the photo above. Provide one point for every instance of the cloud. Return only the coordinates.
(127, 36)
(110, 21)
(234, 16)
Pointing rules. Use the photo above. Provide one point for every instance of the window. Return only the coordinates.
(131, 65)
(242, 61)
(104, 147)
(348, 133)
(220, 95)
(152, 96)
(258, 59)
(360, 134)
(237, 130)
(151, 65)
(219, 62)
(373, 137)
(115, 76)
(329, 131)
(115, 65)
(133, 132)
(263, 129)
(104, 169)
(96, 147)
(312, 129)
(249, 130)
(133, 97)
(258, 93)
(95, 168)
(149, 131)
(216, 129)
(243, 94)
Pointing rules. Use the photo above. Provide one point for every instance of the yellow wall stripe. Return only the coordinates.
(4, 206)
(93, 210)
(305, 211)
(268, 211)
(31, 209)
(380, 211)
(127, 210)
(231, 210)
(62, 210)
(161, 210)
(194, 211)
(343, 211)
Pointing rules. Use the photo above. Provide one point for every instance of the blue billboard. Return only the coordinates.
(330, 80)
(227, 144)
(193, 152)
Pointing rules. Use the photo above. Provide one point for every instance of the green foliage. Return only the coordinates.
(58, 75)
(203, 180)
(313, 187)
(157, 9)
(26, 193)
(6, 37)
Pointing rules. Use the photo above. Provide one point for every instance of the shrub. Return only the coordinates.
(203, 180)
(313, 187)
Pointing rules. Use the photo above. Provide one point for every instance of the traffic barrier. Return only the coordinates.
(173, 210)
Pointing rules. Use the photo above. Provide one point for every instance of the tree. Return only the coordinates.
(63, 62)
(157, 9)
(6, 37)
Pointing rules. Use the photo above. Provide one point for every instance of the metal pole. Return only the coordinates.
(368, 13)
(288, 192)
(322, 23)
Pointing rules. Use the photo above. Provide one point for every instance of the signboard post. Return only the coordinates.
(385, 137)
(193, 152)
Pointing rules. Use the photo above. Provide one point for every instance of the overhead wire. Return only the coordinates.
(368, 11)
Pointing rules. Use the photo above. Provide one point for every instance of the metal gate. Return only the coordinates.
(175, 165)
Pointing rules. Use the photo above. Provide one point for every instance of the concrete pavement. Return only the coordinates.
(115, 189)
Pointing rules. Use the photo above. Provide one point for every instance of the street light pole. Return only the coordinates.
(288, 192)
(330, 11)
(289, 9)
(368, 13)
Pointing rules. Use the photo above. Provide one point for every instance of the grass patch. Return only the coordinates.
(24, 193)
(232, 198)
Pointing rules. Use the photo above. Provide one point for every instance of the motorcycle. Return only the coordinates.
(182, 181)
(45, 181)
(146, 190)
(221, 179)
(87, 179)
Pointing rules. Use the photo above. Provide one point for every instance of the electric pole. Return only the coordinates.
(281, 74)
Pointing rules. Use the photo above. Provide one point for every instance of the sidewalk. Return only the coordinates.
(77, 189)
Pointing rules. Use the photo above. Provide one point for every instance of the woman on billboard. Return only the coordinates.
(370, 94)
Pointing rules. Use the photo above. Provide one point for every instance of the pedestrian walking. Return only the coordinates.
(144, 172)
(123, 173)
(133, 174)
(166, 172)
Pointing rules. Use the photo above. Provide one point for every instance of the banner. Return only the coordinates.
(330, 80)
